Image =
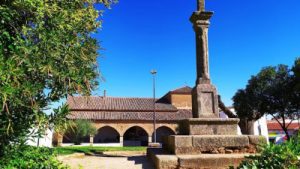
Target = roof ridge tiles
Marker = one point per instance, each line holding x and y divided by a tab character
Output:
117	97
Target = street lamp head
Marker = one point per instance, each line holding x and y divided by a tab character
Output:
153	71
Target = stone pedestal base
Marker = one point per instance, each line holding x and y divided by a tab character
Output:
205	101
205	144
209	126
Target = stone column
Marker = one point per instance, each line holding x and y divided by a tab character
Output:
205	97
91	140
149	139
59	140
121	141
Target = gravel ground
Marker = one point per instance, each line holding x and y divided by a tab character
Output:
99	162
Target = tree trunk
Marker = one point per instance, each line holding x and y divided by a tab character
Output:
227	111
245	125
286	132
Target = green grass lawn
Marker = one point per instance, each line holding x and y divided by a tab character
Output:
91	149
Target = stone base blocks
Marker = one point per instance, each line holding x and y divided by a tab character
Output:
201	161
194	144
214	161
210	143
209	126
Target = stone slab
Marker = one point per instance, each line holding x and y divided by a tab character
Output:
202	161
257	140
154	145
199	144
209	126
207	143
211	161
166	162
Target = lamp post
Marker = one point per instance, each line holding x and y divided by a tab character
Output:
153	72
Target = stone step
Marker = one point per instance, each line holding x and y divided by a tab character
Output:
202	161
213	161
195	144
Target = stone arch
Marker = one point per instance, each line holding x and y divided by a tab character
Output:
145	127
163	131
135	136
107	134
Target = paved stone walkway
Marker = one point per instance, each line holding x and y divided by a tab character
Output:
115	162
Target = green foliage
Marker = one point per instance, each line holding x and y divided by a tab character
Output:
91	149
296	71
282	156
81	129
59	119
46	53
272	91
23	157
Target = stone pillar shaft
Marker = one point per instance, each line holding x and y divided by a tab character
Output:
201	23
202	55
149	139
204	95
91	140
200	5
59	140
121	140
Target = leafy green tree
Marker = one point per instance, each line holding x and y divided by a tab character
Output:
80	130
46	53
59	121
273	92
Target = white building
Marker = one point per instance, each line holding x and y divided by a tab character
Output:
260	126
44	141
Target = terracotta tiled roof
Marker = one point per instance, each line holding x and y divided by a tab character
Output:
276	126
116	104
147	116
182	90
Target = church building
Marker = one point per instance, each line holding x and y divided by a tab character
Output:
129	121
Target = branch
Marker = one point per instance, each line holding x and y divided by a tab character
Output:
289	123
277	121
227	111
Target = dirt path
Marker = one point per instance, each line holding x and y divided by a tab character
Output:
100	162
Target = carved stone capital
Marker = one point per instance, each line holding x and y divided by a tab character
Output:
201	17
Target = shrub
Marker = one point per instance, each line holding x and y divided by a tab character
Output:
80	130
25	157
281	156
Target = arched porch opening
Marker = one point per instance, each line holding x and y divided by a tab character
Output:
135	136
161	132
107	134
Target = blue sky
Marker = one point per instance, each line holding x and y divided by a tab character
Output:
244	36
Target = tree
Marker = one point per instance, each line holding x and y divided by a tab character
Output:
81	129
59	121
245	125
296	71
273	92
46	53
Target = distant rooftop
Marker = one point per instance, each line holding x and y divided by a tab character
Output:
274	125
116	104
126	108
182	90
